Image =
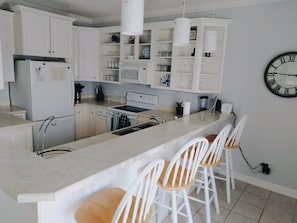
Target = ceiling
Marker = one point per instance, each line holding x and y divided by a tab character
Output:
108	11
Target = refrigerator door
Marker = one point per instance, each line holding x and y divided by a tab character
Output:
51	90
54	132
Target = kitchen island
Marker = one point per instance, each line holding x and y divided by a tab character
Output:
50	190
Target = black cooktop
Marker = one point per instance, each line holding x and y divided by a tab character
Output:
131	108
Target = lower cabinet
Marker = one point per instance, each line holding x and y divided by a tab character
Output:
100	121
19	135
89	120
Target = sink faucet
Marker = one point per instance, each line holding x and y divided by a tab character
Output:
156	119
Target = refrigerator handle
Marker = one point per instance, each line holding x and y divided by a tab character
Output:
71	81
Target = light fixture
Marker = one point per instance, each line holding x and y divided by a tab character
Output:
210	38
1	69
132	17
182	28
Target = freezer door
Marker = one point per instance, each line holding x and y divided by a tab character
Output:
55	131
51	90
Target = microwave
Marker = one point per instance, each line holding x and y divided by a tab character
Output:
136	72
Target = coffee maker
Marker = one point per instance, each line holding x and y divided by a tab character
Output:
77	93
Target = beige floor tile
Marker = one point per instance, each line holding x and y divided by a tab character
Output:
257	191
271	217
198	217
223	201
237	218
235	194
214	216
247	210
253	199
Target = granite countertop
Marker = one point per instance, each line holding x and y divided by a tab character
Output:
30	178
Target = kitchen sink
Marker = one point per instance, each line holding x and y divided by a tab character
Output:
134	128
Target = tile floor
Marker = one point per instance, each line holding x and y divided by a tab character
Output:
249	204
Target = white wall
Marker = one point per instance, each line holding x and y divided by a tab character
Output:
256	35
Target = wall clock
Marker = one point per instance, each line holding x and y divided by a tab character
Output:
281	75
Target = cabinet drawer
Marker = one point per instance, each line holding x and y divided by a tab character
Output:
101	111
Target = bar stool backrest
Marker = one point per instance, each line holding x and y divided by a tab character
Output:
214	153
234	138
180	173
136	204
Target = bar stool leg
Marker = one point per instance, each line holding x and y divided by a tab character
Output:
206	194
231	171
174	207
214	189
228	176
188	208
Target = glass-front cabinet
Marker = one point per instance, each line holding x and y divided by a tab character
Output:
109	54
171	67
187	68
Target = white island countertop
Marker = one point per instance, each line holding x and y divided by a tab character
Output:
30	178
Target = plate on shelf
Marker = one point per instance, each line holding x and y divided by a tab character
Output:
146	52
165	80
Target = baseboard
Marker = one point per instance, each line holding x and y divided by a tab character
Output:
267	185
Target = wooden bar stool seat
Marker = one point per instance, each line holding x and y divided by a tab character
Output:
178	176
115	205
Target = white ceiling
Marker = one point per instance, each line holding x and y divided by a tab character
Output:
108	11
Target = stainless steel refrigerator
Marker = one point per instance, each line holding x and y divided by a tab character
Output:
45	90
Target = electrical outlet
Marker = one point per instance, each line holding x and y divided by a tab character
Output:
265	168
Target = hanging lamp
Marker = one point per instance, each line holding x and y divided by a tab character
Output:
210	38
182	28
132	12
1	69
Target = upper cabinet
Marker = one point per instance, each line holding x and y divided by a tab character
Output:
39	33
86	54
109	54
187	68
7	44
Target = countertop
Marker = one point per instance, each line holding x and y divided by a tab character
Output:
8	120
30	178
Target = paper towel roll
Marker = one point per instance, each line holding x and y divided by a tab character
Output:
187	108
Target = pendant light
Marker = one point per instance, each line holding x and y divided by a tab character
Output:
132	12
182	28
1	69
210	38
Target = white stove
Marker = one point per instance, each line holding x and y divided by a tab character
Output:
126	115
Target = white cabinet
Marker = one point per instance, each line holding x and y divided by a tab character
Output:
109	54
19	135
38	33
90	120
86	54
187	68
7	44
82	122
100	121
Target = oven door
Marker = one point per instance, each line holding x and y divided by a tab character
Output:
117	119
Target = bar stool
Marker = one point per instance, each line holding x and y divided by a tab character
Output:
232	142
113	205
212	158
178	176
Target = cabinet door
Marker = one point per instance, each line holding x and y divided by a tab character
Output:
61	37
91	120
36	35
81	122
87	54
100	124
22	136
7	44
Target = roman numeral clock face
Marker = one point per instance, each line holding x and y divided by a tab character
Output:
281	75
